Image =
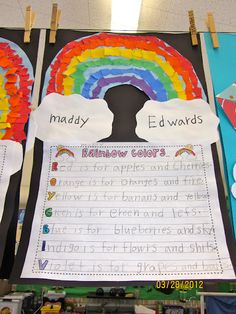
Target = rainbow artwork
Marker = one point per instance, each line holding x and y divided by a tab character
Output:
16	80
91	65
188	149
61	151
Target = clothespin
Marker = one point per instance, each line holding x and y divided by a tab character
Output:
192	28
56	14
212	29
29	21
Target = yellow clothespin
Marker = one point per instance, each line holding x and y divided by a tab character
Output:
29	21
56	14
212	29
192	28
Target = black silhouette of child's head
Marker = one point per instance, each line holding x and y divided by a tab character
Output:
124	101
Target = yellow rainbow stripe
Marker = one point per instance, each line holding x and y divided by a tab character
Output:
137	54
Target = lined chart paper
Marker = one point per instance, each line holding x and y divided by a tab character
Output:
126	211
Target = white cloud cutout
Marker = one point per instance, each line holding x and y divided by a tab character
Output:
177	121
72	118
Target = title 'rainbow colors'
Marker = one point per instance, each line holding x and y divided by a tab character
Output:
91	65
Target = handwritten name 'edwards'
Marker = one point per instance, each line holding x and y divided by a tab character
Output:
154	123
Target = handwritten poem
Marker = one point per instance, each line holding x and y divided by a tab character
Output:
127	211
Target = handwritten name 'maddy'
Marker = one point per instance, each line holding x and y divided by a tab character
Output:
154	123
80	121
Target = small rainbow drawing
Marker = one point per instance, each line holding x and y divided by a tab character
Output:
61	151
187	149
91	65
16	80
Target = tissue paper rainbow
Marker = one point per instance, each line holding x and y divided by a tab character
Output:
91	65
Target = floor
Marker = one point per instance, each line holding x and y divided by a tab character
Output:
158	15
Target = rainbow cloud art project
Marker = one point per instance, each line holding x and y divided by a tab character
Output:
16	80
91	65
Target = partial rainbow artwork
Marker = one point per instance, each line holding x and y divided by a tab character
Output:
91	65
16	80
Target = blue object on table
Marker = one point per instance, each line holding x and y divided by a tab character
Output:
220	305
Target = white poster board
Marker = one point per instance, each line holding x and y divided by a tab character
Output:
125	211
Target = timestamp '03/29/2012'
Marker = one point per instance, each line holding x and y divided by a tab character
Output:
179	284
